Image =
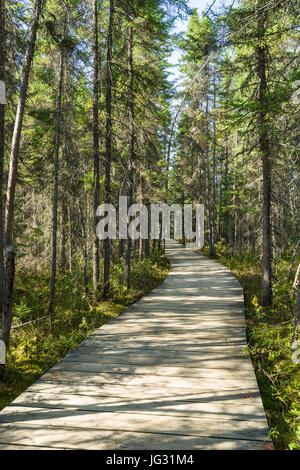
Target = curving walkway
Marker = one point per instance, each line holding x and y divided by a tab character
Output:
168	373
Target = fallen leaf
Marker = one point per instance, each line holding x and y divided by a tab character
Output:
269	446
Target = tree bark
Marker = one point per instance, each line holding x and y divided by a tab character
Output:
147	241
96	273
183	227
55	184
226	216
70	250
2	142
141	240
297	317
265	151
208	199
108	142
63	257
8	299
292	261
214	168
128	246
84	247
12	178
14	159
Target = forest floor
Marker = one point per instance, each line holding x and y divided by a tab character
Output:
269	334
36	347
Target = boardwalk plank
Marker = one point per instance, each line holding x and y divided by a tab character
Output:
24	434
166	424
235	397
174	406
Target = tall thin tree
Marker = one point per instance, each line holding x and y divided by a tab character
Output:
108	141
265	150
131	151
12	179
55	179
96	141
2	138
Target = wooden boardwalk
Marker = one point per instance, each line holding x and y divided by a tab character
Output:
168	373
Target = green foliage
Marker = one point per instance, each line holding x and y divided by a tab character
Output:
269	334
200	38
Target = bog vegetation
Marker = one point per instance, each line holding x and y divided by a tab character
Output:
90	112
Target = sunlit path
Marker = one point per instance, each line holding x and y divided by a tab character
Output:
168	373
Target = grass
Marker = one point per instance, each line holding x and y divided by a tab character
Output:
37	347
269	332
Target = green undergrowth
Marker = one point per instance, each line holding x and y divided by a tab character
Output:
38	346
269	332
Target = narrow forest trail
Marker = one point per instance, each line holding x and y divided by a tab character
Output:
168	373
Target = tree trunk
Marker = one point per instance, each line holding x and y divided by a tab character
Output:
226	216
2	142
293	260
70	251
208	201
63	257
265	151
199	193
141	240
183	227
12	178
128	246
121	248
96	274
55	185
233	222
214	169
108	141
8	298
84	247
297	317
147	241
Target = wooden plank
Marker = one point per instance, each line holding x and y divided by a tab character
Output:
168	406
196	426
176	322
24	434
157	330
170	334
143	364
139	357
235	397
209	334
189	347
199	383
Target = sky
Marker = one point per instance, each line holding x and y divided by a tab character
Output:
181	26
